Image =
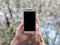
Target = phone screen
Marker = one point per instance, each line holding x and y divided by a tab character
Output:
29	21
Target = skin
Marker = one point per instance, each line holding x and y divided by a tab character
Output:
20	37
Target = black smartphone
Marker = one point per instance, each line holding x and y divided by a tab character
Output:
29	21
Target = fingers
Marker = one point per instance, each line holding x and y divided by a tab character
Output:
21	25
37	28
37	25
37	21
21	28
27	36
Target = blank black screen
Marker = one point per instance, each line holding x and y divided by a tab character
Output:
29	21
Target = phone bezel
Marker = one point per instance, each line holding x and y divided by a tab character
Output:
29	9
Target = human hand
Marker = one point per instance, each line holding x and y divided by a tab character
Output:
21	37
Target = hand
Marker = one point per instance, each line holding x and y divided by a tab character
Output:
20	33
20	37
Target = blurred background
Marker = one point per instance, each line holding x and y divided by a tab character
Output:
48	12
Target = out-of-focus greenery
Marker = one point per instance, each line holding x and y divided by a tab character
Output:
48	12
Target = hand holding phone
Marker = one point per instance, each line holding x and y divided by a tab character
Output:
21	37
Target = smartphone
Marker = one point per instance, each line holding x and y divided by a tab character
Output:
29	21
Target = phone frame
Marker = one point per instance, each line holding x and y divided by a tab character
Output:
30	9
